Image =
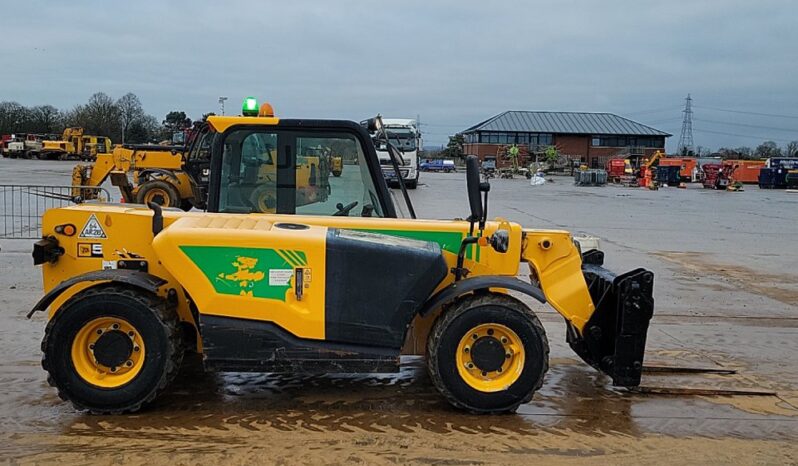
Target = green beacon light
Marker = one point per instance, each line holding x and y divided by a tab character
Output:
250	107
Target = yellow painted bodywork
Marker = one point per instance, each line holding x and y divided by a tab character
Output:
74	142
554	261
220	124
122	161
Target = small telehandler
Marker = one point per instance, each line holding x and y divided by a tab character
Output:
336	285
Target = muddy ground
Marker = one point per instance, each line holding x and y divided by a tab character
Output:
726	297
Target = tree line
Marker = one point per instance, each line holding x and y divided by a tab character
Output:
123	120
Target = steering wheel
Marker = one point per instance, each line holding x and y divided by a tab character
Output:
343	210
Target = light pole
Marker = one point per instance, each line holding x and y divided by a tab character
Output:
221	103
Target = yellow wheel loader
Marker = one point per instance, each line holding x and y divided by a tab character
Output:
75	144
337	285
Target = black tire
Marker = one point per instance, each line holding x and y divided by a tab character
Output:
159	331
186	205
457	321
411	184
161	192
336	173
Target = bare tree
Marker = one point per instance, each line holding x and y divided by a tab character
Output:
44	119
791	150
12	117
101	116
130	111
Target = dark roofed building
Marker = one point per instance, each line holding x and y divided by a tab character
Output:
591	138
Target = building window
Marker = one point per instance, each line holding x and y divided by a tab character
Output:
627	141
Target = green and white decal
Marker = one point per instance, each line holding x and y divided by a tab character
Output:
256	272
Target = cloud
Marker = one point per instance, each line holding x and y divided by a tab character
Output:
454	63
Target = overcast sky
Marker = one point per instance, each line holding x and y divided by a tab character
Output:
454	63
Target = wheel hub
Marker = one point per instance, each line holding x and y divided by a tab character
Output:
488	354
490	357
113	348
108	352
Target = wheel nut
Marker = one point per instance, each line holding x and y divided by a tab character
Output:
115	326
113	369
470	365
467	349
484	374
499	370
99	331
131	334
475	336
135	348
129	363
508	355
504	340
490	331
91	347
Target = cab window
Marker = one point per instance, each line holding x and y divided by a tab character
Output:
313	173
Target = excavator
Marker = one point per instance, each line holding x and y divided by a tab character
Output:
75	144
343	285
173	176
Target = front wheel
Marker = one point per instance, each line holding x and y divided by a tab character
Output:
487	354
111	350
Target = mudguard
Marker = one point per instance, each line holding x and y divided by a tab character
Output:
485	282
134	278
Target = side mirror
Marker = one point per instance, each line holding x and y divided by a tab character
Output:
472	184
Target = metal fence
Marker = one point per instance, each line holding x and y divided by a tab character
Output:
22	206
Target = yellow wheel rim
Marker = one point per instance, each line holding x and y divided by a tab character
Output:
99	333
477	356
159	196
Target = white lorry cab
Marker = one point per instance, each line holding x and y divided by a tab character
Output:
406	137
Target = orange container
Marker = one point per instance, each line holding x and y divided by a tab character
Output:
747	171
687	164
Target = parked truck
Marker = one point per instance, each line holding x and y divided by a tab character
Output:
406	137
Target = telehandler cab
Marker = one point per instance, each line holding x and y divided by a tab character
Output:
339	285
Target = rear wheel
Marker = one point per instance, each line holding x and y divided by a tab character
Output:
112	349
487	354
160	192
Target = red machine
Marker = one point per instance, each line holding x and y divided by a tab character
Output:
716	175
616	168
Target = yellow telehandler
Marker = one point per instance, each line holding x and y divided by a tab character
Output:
336	285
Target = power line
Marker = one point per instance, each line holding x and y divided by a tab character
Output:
658	110
749	126
761	138
776	115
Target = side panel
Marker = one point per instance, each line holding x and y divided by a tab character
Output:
243	267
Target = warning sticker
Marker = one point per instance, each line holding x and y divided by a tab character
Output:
280	277
93	229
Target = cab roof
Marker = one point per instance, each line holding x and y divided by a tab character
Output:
221	123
